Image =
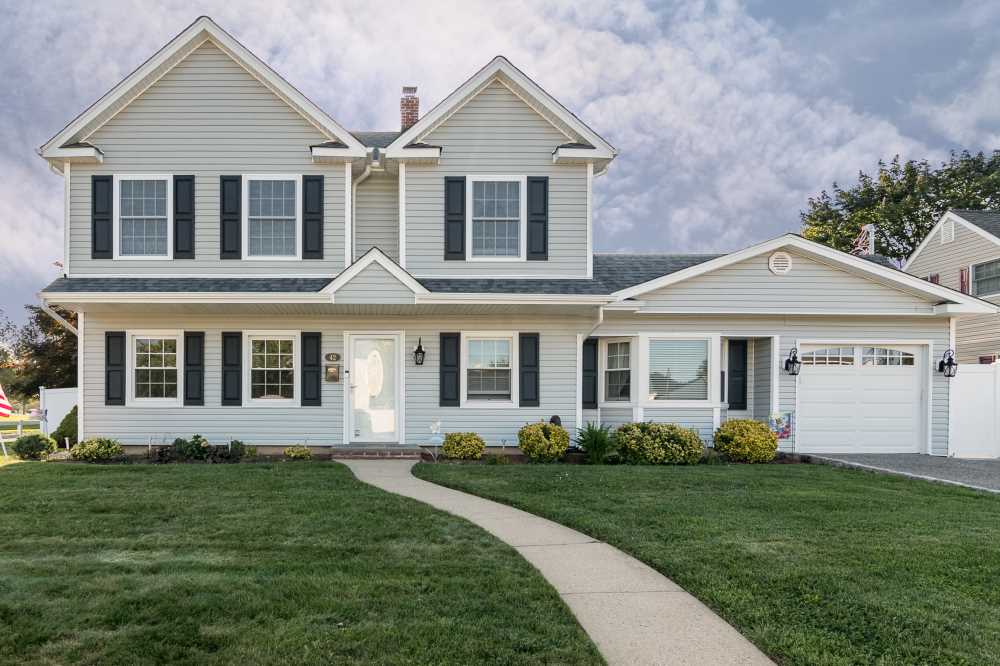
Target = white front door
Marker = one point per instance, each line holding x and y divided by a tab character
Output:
861	399
374	382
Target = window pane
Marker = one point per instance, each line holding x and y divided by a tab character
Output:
272	375
489	372
142	218
496	219
678	370
155	366
271	218
617	385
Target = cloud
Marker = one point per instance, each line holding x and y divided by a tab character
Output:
970	117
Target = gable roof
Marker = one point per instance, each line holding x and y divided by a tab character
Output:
982	222
203	29
374	256
502	69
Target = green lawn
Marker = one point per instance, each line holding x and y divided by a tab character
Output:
290	563
816	565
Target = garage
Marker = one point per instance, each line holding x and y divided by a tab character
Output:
861	399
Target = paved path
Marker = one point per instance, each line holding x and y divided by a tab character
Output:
634	614
978	474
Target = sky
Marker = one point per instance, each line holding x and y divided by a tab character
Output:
727	116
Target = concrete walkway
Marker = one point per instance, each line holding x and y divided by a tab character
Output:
976	474
634	614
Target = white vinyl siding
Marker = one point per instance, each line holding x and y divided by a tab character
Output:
374	285
207	117
376	222
496	133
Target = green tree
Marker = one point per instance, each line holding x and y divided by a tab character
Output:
40	353
903	200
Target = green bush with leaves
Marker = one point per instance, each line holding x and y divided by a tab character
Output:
658	443
34	447
463	446
596	441
747	441
196	448
543	442
67	428
97	449
298	452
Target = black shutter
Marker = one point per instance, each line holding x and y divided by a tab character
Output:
114	368
183	217
529	369
312	217
101	211
232	369
588	391
194	369
538	218
737	374
451	370
230	217
454	218
312	359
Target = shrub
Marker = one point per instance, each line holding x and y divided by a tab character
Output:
658	443
463	446
34	447
67	428
543	442
97	449
196	448
596	442
746	440
163	454
298	452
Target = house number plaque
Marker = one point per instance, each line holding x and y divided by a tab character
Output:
332	357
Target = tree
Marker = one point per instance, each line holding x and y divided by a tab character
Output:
40	353
903	200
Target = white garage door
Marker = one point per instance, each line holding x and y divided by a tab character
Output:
860	399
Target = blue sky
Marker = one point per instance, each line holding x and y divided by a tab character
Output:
728	115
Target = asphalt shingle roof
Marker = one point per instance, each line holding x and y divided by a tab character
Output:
376	139
988	221
193	285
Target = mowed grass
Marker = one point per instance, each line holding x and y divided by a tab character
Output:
286	563
815	565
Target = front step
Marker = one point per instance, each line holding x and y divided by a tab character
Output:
396	453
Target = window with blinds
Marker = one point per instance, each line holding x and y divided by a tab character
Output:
986	278
678	369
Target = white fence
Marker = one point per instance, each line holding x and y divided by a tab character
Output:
53	405
975	412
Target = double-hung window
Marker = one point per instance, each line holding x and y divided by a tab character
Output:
155	375
143	216
986	278
273	218
618	371
489	363
498	211
272	367
678	369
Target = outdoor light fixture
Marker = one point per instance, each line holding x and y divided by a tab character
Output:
792	363
419	353
948	365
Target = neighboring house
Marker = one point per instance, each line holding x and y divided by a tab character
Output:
962	252
245	267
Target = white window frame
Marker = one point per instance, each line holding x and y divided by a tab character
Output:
714	341
972	279
248	338
514	370
116	217
245	215
470	182
602	366
130	367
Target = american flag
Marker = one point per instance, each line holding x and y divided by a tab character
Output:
5	407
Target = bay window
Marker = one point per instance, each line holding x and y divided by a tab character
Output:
678	369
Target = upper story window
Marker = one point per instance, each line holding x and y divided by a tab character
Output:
986	278
498	215
143	217
678	369
273	217
618	373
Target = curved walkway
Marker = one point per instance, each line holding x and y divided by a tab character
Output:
634	614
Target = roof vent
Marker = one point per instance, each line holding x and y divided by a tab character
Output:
947	231
779	263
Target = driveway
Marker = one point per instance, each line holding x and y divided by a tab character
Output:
979	474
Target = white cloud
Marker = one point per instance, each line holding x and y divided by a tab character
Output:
971	117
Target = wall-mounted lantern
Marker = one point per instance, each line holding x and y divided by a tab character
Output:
948	365
792	363
419	354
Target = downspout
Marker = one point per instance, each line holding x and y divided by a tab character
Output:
354	205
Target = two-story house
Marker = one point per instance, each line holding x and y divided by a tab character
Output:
962	251
245	267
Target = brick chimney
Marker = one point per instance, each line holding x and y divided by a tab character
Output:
409	108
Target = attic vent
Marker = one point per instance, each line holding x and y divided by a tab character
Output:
779	263
947	231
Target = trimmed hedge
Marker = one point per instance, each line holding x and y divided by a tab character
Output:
97	449
658	443
67	428
543	442
746	440
463	446
298	452
34	447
